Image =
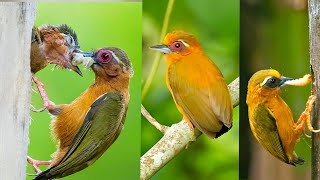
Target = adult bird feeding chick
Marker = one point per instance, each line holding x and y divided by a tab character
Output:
90	124
271	119
52	45
196	84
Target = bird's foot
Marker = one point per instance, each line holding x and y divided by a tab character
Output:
305	116
47	104
35	165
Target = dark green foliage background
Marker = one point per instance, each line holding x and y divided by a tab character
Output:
97	25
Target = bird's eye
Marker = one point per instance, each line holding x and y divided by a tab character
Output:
177	46
105	56
272	82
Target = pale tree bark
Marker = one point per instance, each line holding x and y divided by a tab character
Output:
314	39
176	138
16	21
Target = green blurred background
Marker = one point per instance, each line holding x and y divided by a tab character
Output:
97	25
274	34
216	26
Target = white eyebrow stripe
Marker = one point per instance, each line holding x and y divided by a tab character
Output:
265	80
116	57
184	43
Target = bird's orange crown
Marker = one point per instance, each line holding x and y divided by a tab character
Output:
183	36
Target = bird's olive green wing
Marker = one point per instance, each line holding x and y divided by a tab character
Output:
206	101
101	127
266	132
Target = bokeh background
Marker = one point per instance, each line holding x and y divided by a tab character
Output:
216	26
97	25
274	34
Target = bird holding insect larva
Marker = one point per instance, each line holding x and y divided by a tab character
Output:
271	119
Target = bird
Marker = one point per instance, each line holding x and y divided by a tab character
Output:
89	125
52	45
196	84
271	119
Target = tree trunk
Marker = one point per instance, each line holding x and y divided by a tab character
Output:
314	38
16	21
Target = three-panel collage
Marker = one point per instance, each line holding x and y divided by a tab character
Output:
160	90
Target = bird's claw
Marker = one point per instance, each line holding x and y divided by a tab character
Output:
28	174
35	165
316	131
39	110
306	135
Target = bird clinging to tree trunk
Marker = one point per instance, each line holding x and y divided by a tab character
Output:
271	119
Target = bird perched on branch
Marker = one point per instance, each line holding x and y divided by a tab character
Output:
271	119
52	45
196	84
90	124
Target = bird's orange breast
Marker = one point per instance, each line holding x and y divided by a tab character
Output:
69	120
282	115
199	91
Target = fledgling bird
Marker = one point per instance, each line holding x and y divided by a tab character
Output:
196	84
271	119
90	124
52	45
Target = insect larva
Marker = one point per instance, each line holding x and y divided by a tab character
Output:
306	79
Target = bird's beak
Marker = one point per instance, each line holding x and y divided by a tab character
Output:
283	80
74	68
77	70
162	48
85	54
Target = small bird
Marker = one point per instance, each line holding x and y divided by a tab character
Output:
196	84
271	119
90	124
52	45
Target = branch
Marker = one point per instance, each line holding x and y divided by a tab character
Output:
154	122
176	139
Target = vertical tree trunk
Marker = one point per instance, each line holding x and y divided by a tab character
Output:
16	21
314	37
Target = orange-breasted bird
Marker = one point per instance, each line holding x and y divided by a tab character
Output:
90	124
196	84
271	119
52	45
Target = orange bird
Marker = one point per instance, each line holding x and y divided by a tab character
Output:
52	45
90	124
196	84
271	119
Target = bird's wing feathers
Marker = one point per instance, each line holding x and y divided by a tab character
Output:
206	104
102	125
266	132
